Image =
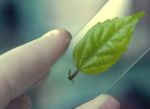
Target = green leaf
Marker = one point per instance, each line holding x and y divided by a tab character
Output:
103	45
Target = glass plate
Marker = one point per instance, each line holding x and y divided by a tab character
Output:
58	92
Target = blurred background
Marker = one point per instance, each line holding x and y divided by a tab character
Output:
22	21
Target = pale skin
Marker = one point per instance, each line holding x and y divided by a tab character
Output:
25	66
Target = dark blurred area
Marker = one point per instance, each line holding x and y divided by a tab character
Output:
138	94
19	23
135	87
10	16
135	99
10	23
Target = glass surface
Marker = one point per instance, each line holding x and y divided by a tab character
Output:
58	92
29	19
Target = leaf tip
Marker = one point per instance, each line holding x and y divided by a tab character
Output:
140	14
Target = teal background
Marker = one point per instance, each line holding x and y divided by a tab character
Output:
23	21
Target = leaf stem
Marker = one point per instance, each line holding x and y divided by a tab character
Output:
71	76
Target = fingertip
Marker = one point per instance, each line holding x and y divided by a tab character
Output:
57	41
64	32
59	33
108	102
103	101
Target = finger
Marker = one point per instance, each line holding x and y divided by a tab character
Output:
22	102
101	102
24	65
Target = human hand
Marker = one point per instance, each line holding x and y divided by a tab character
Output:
25	66
103	101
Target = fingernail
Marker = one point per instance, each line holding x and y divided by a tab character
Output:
108	102
65	33
59	32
